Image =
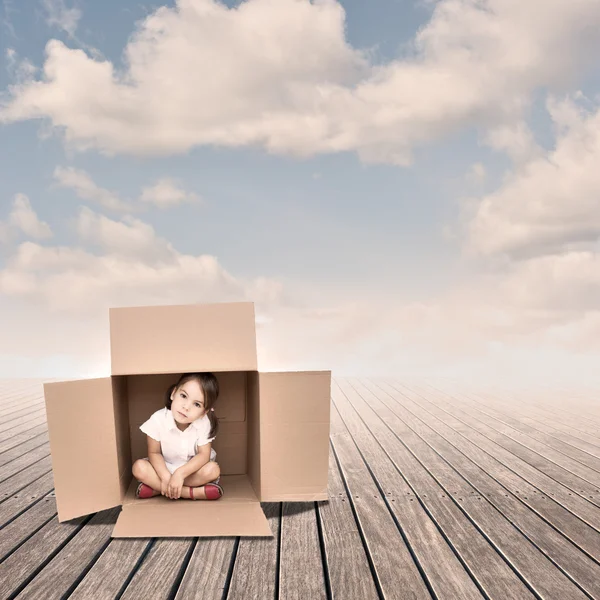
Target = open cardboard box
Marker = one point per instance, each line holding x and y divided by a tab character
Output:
273	439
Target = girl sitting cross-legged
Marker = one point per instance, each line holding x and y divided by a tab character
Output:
180	461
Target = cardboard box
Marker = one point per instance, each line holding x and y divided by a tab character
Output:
273	440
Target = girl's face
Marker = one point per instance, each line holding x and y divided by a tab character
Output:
187	403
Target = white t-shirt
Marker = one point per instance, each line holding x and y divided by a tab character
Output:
177	446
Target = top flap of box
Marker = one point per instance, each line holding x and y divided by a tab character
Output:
237	513
178	339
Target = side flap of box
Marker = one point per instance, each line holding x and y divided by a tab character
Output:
294	435
83	446
175	339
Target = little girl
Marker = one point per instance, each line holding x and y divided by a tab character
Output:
180	461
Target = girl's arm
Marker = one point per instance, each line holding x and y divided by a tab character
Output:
197	462
157	460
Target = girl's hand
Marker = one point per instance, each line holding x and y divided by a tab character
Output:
175	485
164	484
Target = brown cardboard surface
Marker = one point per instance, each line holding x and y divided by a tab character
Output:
176	339
83	446
253	416
120	408
294	435
237	512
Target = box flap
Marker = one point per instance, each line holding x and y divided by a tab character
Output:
176	339
294	435
83	446
237	513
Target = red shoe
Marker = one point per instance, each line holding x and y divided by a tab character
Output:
144	491
213	491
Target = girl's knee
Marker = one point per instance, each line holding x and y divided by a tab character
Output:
215	470
140	467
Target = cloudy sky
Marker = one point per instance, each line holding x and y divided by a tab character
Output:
401	187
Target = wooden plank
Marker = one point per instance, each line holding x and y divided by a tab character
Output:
23	448
561	453
18	423
26	525
301	568
22	499
584	448
62	573
160	572
26	561
21	412
8	444
9	412
206	574
584	410
570	422
395	572
347	562
482	560
254	573
470	429
533	566
539	460
112	570
22	427
24	478
64	570
18	464
12	394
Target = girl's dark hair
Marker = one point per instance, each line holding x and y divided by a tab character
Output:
210	388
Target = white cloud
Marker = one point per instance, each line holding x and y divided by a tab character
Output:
516	139
476	174
134	267
130	238
295	86
83	185
551	204
59	15
166	193
23	219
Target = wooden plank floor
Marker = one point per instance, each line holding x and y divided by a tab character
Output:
437	489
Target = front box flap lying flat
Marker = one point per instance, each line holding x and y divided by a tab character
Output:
237	513
294	435
81	428
178	339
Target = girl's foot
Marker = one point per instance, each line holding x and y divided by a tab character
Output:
212	491
145	491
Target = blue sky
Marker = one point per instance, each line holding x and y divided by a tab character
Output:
414	220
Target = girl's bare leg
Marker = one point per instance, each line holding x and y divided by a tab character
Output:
143	471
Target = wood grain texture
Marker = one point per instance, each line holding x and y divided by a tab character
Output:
160	570
255	570
347	560
396	573
301	568
206	573
21	500
432	449
26	524
57	578
111	571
